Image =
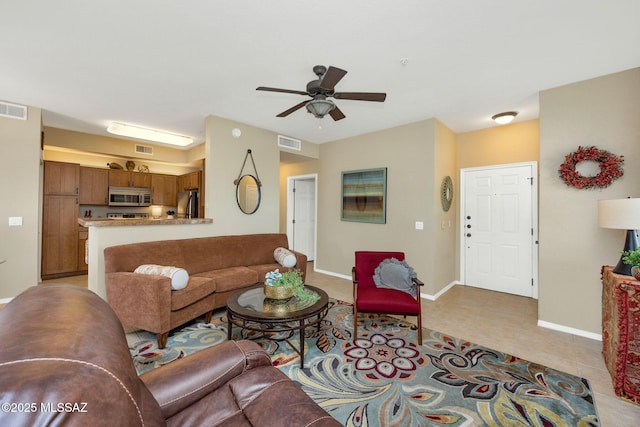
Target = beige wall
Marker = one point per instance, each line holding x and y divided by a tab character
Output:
20	187
417	156
512	143
96	151
604	112
225	156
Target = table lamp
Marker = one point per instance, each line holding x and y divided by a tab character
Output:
621	214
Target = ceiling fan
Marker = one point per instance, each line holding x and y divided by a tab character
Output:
321	89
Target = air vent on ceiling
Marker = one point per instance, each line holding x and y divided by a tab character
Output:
144	149
286	142
13	111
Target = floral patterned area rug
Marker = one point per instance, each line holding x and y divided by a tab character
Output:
386	379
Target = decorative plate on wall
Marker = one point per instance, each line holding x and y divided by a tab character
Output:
446	193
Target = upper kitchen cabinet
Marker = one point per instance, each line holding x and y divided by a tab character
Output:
94	186
189	181
61	178
124	178
163	190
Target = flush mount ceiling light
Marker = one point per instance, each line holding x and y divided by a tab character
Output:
148	134
320	107
504	118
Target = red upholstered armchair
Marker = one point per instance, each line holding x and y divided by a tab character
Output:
368	298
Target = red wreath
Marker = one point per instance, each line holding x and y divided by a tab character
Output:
610	168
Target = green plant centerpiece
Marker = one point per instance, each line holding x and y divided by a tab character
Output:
632	258
286	285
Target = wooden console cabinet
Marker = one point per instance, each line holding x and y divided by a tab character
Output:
621	332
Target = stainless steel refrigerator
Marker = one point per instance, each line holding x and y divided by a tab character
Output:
188	204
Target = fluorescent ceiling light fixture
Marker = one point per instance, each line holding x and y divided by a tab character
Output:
148	134
504	118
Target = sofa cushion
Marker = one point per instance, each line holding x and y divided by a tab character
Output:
197	288
232	278
285	257
179	276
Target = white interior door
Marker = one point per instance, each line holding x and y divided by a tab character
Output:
499	228
302	215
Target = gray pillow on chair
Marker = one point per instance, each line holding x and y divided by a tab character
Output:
394	274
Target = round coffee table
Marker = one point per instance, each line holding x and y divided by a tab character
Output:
250	310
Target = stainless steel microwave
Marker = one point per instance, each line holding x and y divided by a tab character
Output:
129	196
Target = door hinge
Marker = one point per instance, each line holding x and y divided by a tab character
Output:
532	281
530	180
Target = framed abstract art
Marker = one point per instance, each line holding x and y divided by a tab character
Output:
364	196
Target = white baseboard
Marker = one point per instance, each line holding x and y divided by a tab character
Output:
440	293
572	331
422	295
5	300
331	273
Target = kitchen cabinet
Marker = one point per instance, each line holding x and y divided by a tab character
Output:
59	235
61	178
94	186
83	234
189	181
164	190
123	178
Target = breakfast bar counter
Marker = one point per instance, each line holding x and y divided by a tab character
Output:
120	222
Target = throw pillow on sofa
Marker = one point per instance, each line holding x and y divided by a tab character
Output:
179	276
395	274
285	257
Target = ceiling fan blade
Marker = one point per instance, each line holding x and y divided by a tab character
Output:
331	78
361	96
292	109
336	114
273	89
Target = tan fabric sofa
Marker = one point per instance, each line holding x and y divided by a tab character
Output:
65	362
217	267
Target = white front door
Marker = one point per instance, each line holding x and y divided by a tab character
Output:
499	228
302	215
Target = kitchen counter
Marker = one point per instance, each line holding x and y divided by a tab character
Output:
109	222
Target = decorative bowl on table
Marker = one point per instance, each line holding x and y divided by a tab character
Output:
278	292
282	285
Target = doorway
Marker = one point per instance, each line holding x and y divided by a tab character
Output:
499	236
301	213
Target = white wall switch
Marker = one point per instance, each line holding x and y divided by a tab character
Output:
419	225
15	221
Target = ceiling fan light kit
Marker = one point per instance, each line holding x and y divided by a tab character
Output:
147	134
504	118
321	89
320	107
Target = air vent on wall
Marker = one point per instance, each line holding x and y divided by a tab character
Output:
286	142
144	149
13	111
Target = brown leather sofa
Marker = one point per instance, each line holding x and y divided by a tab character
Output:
65	362
217	267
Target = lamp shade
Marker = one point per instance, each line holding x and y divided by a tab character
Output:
621	214
320	107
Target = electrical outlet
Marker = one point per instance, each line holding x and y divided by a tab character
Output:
419	225
15	221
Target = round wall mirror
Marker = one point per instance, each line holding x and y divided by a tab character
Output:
248	194
446	193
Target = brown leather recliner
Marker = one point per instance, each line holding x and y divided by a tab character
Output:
66	362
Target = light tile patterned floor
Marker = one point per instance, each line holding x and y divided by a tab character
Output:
503	322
